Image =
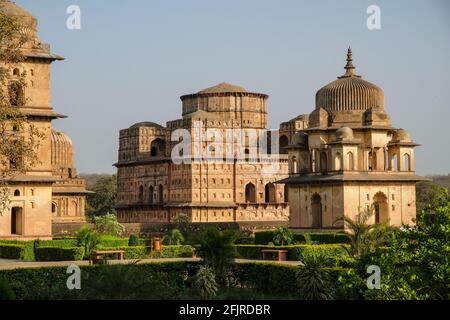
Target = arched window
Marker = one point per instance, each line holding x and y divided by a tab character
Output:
350	161
283	142
16	96
323	162
250	193
270	196
161	194
53	207
150	194
16	72
370	160
338	161
17	193
157	148
294	165
407	162
141	194
394	163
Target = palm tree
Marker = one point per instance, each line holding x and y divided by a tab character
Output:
365	237
217	250
313	279
89	239
175	237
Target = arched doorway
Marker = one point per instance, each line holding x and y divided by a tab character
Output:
16	221
338	161
270	196
381	207
316	210
250	193
350	161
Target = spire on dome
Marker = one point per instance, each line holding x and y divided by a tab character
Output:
349	67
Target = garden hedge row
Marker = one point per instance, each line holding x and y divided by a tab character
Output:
294	251
169	280
264	237
184	251
59	254
23	250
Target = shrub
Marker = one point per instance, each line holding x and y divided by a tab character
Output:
60	243
205	282
174	252
136	252
294	251
6	293
174	238
264	237
282	236
133	241
59	254
19	250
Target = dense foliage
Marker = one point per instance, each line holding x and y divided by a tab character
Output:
103	200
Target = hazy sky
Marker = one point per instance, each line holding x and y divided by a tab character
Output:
132	60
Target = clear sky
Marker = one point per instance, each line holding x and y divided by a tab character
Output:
132	60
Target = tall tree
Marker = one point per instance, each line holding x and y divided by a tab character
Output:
103	200
19	138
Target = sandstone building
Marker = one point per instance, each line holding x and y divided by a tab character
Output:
153	189
346	156
50	190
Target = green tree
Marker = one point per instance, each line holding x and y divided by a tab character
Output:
183	224
365	237
103	200
416	265
175	237
217	250
108	225
283	236
19	138
313	279
429	195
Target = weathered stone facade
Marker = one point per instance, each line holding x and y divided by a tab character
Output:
151	188
33	193
349	157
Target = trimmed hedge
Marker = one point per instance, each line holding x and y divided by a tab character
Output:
59	254
184	251
60	243
169	280
19	250
136	252
264	237
294	251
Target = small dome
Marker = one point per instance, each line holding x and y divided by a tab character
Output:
350	92
223	88
148	124
62	150
402	135
300	138
344	133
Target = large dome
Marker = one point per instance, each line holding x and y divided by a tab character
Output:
25	18
350	92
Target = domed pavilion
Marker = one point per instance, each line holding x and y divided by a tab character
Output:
350	158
